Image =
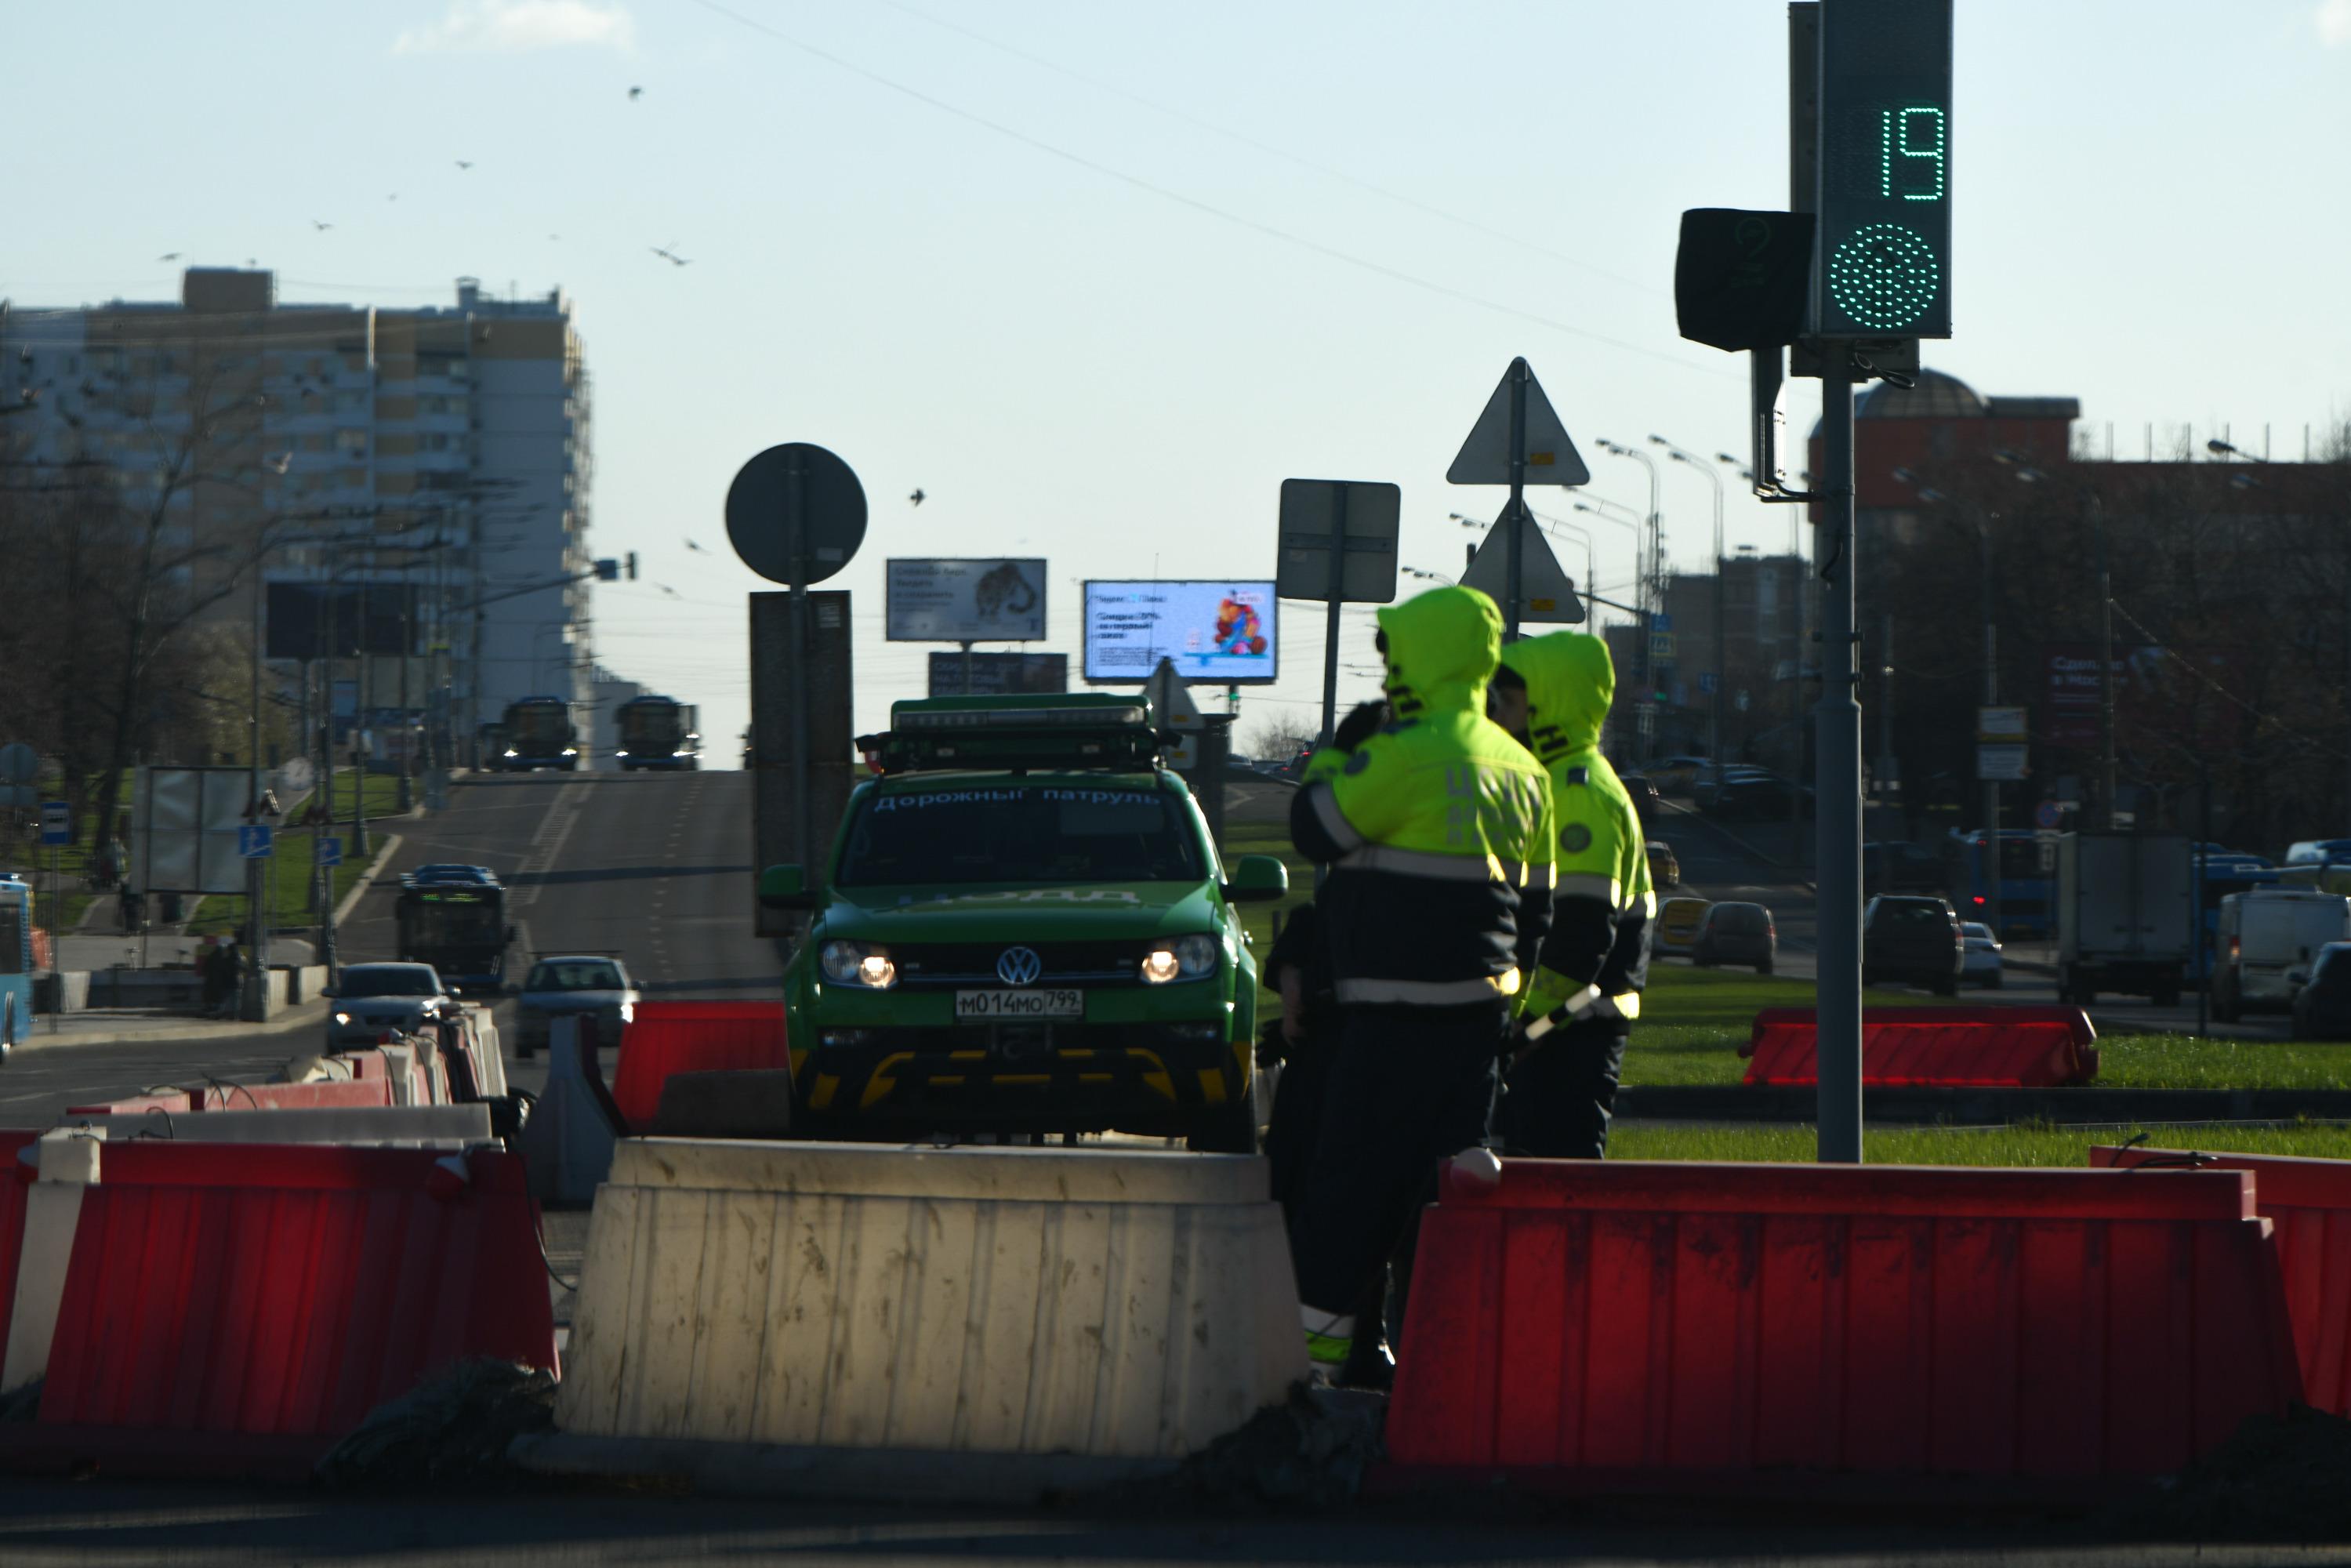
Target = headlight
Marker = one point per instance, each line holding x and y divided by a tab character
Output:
627	1012
570	751
621	751
342	1018
512	752
856	964
1183	958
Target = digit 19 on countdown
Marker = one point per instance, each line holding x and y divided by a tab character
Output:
1885	195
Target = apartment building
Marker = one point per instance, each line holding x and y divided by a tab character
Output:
411	484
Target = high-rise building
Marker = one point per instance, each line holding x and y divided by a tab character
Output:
409	485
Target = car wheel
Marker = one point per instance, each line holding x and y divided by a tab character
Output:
1764	967
2168	997
1946	986
1993	981
2224	1004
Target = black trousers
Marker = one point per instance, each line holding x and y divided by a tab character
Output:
1407	1088
1561	1098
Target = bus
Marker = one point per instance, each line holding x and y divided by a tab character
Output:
454	918
2027	894
539	735
657	732
15	961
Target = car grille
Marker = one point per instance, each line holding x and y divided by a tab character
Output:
941	966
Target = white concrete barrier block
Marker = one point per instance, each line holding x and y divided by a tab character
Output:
359	1126
984	1300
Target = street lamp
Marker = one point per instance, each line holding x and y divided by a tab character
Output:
1721	649
1648	592
1423	575
1982	522
1796	646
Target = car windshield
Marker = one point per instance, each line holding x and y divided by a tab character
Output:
446	919
388	981
1905	914
1975	930
1033	833
574	974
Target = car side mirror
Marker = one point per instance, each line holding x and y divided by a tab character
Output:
330	992
785	887
1257	879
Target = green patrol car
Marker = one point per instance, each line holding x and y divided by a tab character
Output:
1025	928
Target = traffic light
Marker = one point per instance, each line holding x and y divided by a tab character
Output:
1885	170
1739	277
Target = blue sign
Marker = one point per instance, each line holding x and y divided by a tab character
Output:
1661	621
56	822
2046	815
253	841
330	852
1706	681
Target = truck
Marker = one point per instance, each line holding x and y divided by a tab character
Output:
454	918
539	735
2127	915
658	732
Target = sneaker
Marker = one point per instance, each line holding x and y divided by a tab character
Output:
1327	1355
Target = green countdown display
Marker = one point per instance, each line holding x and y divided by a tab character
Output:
1884	178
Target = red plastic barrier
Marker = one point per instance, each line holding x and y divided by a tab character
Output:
174	1102
1986	1047
2309	1203
1584	1320
12	1183
693	1037
249	1292
320	1096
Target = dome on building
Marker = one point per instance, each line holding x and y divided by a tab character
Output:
1936	396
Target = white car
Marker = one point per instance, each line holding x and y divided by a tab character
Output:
371	999
1980	955
580	985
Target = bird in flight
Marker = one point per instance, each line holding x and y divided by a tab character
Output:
668	252
282	462
463	163
321	227
635	93
394	197
916	498
695	547
169	256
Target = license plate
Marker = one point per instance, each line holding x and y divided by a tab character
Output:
988	1007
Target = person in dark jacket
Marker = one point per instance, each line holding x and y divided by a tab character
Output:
1437	828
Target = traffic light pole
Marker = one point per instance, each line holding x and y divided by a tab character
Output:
1838	988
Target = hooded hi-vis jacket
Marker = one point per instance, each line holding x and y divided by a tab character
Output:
1437	828
1602	906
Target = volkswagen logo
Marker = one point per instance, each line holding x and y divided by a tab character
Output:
1018	966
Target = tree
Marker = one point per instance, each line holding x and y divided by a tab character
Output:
1283	733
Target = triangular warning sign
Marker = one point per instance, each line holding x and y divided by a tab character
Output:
1551	457
1545	590
1172	708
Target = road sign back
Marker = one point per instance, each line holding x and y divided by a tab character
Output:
1312	515
1551	457
1545	590
796	509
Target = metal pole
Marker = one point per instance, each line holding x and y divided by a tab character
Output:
254	1000
2105	674
1721	643
966	669
1992	913
1513	547
2196	865
1796	645
407	646
796	538
1837	988
1336	582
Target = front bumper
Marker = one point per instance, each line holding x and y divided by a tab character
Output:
1151	1079
360	1034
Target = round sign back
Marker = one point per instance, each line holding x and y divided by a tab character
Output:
796	501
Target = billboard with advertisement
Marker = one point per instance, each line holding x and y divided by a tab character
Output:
337	621
932	600
999	674
2160	697
1216	631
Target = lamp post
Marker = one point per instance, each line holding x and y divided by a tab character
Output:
1649	590
2246	481
1721	648
1794	640
1982	522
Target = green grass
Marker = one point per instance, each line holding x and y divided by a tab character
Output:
2024	1144
2183	1062
288	870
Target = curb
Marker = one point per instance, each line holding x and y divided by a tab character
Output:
1983	1107
384	854
302	1015
898	1476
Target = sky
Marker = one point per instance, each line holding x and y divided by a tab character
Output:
1097	278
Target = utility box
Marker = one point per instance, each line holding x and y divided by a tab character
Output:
2125	916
